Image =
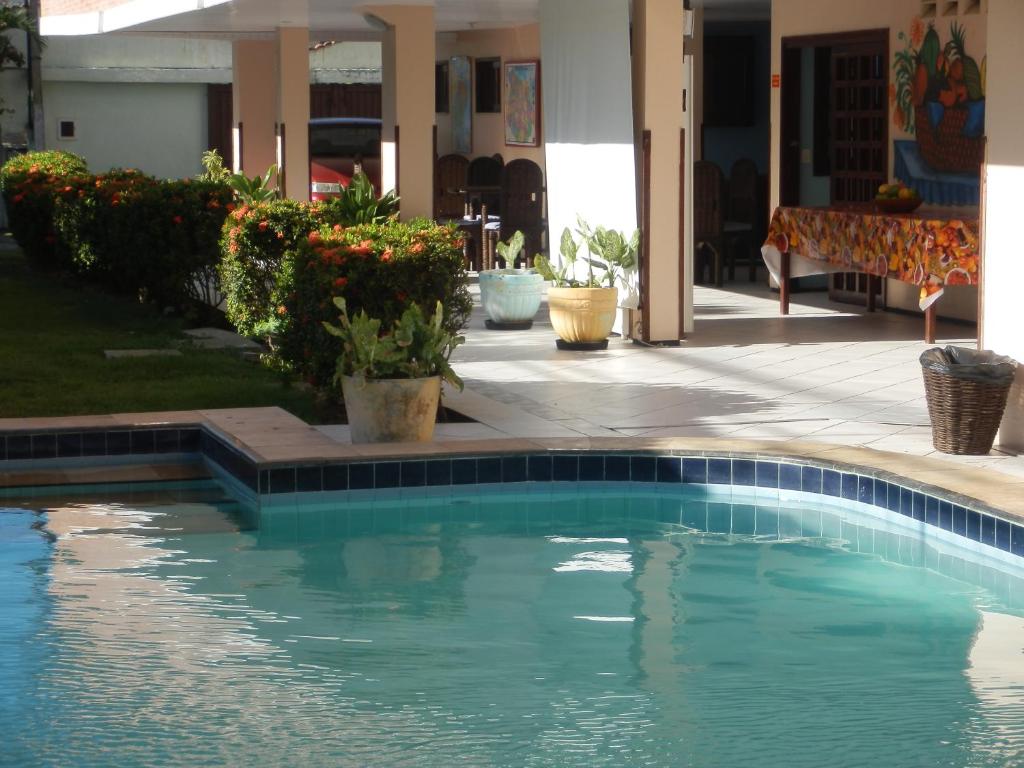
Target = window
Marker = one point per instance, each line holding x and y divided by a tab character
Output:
66	130
488	85
441	87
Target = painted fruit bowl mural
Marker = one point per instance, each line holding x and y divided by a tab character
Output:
939	96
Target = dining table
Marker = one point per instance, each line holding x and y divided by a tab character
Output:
933	247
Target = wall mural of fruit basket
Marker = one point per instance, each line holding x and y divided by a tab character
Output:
938	97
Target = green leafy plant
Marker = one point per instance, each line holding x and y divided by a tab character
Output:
510	251
610	256
358	203
258	189
213	168
415	347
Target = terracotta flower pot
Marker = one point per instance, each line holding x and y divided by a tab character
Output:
582	315
391	410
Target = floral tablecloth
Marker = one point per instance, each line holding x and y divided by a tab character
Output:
930	248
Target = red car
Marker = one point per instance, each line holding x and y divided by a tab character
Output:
338	148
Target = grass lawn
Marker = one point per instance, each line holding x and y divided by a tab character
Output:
52	337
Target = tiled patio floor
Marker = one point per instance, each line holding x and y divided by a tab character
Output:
829	373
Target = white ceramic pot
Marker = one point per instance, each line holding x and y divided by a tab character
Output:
511	296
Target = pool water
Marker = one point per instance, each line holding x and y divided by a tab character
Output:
530	630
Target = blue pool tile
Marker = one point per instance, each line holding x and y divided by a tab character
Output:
387	474
642	469
720	471
69	444
165	441
811	479
565	468
744	520
906	502
695	515
670	469
945	516
931	510
719	518
118	443
849	488
44	446
1017	540
464	471
766	474
1003	528
143	441
94	443
264	481
336	477
766	522
360	477
414	474
790	477
866	490
988	530
695	471
188	440
616	468
831	483
513	469
538	469
309	479
743	472
488	470
3	447
920	510
591	468
282	480
959	515
439	472
973	525
892	493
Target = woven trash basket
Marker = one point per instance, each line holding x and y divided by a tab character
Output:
966	391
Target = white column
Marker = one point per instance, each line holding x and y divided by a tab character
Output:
1003	267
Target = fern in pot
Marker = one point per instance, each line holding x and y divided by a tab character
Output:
583	307
391	380
510	296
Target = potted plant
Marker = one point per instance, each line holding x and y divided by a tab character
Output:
583	309
510	296
391	381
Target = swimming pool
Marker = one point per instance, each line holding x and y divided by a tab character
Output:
540	624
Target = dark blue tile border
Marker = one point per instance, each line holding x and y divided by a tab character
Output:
646	467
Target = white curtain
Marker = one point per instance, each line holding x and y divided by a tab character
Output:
588	119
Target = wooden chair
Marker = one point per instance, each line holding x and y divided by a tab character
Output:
450	187
708	218
741	214
522	204
483	185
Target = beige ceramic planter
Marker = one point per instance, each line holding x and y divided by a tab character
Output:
583	315
391	410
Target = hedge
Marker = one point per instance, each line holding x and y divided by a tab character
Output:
124	230
377	267
30	185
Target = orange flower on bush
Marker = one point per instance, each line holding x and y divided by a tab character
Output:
386	256
363	249
263	225
314	238
417	248
282	310
177	220
340	282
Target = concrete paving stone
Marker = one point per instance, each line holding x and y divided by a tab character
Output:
118	354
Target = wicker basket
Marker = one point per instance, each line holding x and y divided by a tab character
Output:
944	147
965	414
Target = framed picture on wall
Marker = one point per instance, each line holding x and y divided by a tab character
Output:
460	104
522	103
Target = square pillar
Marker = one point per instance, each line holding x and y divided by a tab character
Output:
1002	271
407	57
659	120
293	111
254	106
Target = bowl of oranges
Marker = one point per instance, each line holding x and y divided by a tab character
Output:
897	198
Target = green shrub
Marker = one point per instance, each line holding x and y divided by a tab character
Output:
380	268
31	183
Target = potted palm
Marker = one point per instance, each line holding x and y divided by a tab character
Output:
391	381
583	309
510	296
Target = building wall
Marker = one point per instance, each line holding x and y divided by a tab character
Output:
792	18
1003	266
489	129
157	128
